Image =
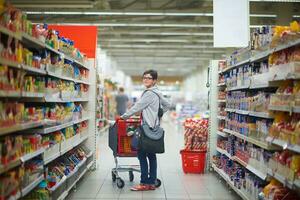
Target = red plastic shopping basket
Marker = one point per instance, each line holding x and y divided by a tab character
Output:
193	161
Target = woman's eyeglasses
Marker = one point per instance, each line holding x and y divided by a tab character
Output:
147	78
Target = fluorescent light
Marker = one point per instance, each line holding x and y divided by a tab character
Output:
140	25
263	15
154	33
155	40
133	13
156	46
296	16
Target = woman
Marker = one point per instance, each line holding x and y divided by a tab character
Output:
149	106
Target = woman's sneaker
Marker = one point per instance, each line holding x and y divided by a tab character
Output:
140	187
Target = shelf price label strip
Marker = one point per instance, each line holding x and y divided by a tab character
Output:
252	169
263	145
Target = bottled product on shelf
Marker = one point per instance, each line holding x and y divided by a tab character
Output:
262	120
49	117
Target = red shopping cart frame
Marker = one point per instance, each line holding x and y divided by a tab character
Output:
124	141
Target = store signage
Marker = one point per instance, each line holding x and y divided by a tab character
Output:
231	23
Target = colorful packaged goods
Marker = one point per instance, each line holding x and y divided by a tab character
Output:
196	133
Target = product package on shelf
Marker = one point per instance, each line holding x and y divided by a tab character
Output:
44	86
196	133
276	190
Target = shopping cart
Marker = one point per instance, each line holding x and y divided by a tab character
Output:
120	136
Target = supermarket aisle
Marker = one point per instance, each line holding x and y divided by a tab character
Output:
176	184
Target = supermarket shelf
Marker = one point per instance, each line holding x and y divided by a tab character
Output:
297	183
260	114
242	112
264	54
296	109
235	158
53	50
8	32
32	185
280	108
222	134
64	178
229	110
60	76
222	151
62	152
238	88
32	42
53	128
32	95
76	143
281	179
252	169
53	157
15	197
261	144
90	165
67	57
227	179
65	193
20	127
32	155
12	94
285	46
221	117
236	65
81	120
9	63
83	82
284	144
33	69
260	174
250	113
9	166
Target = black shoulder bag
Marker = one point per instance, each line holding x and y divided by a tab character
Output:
151	140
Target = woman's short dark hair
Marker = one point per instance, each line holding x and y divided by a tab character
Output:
152	72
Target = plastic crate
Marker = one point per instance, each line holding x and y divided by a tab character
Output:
193	161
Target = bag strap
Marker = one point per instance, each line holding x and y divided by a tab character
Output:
158	106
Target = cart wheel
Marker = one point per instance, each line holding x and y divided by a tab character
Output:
131	176
113	176
157	183
120	183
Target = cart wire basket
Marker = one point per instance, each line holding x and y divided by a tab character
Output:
119	141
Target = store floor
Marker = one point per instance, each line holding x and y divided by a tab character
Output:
175	184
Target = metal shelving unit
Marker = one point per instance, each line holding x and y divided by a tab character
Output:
47	127
270	143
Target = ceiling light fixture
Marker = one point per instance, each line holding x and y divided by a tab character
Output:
155	40
133	13
140	25
153	33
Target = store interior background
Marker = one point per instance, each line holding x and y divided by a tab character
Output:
123	38
166	35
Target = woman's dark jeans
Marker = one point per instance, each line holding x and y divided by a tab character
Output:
148	176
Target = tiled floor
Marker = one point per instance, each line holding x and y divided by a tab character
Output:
175	184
